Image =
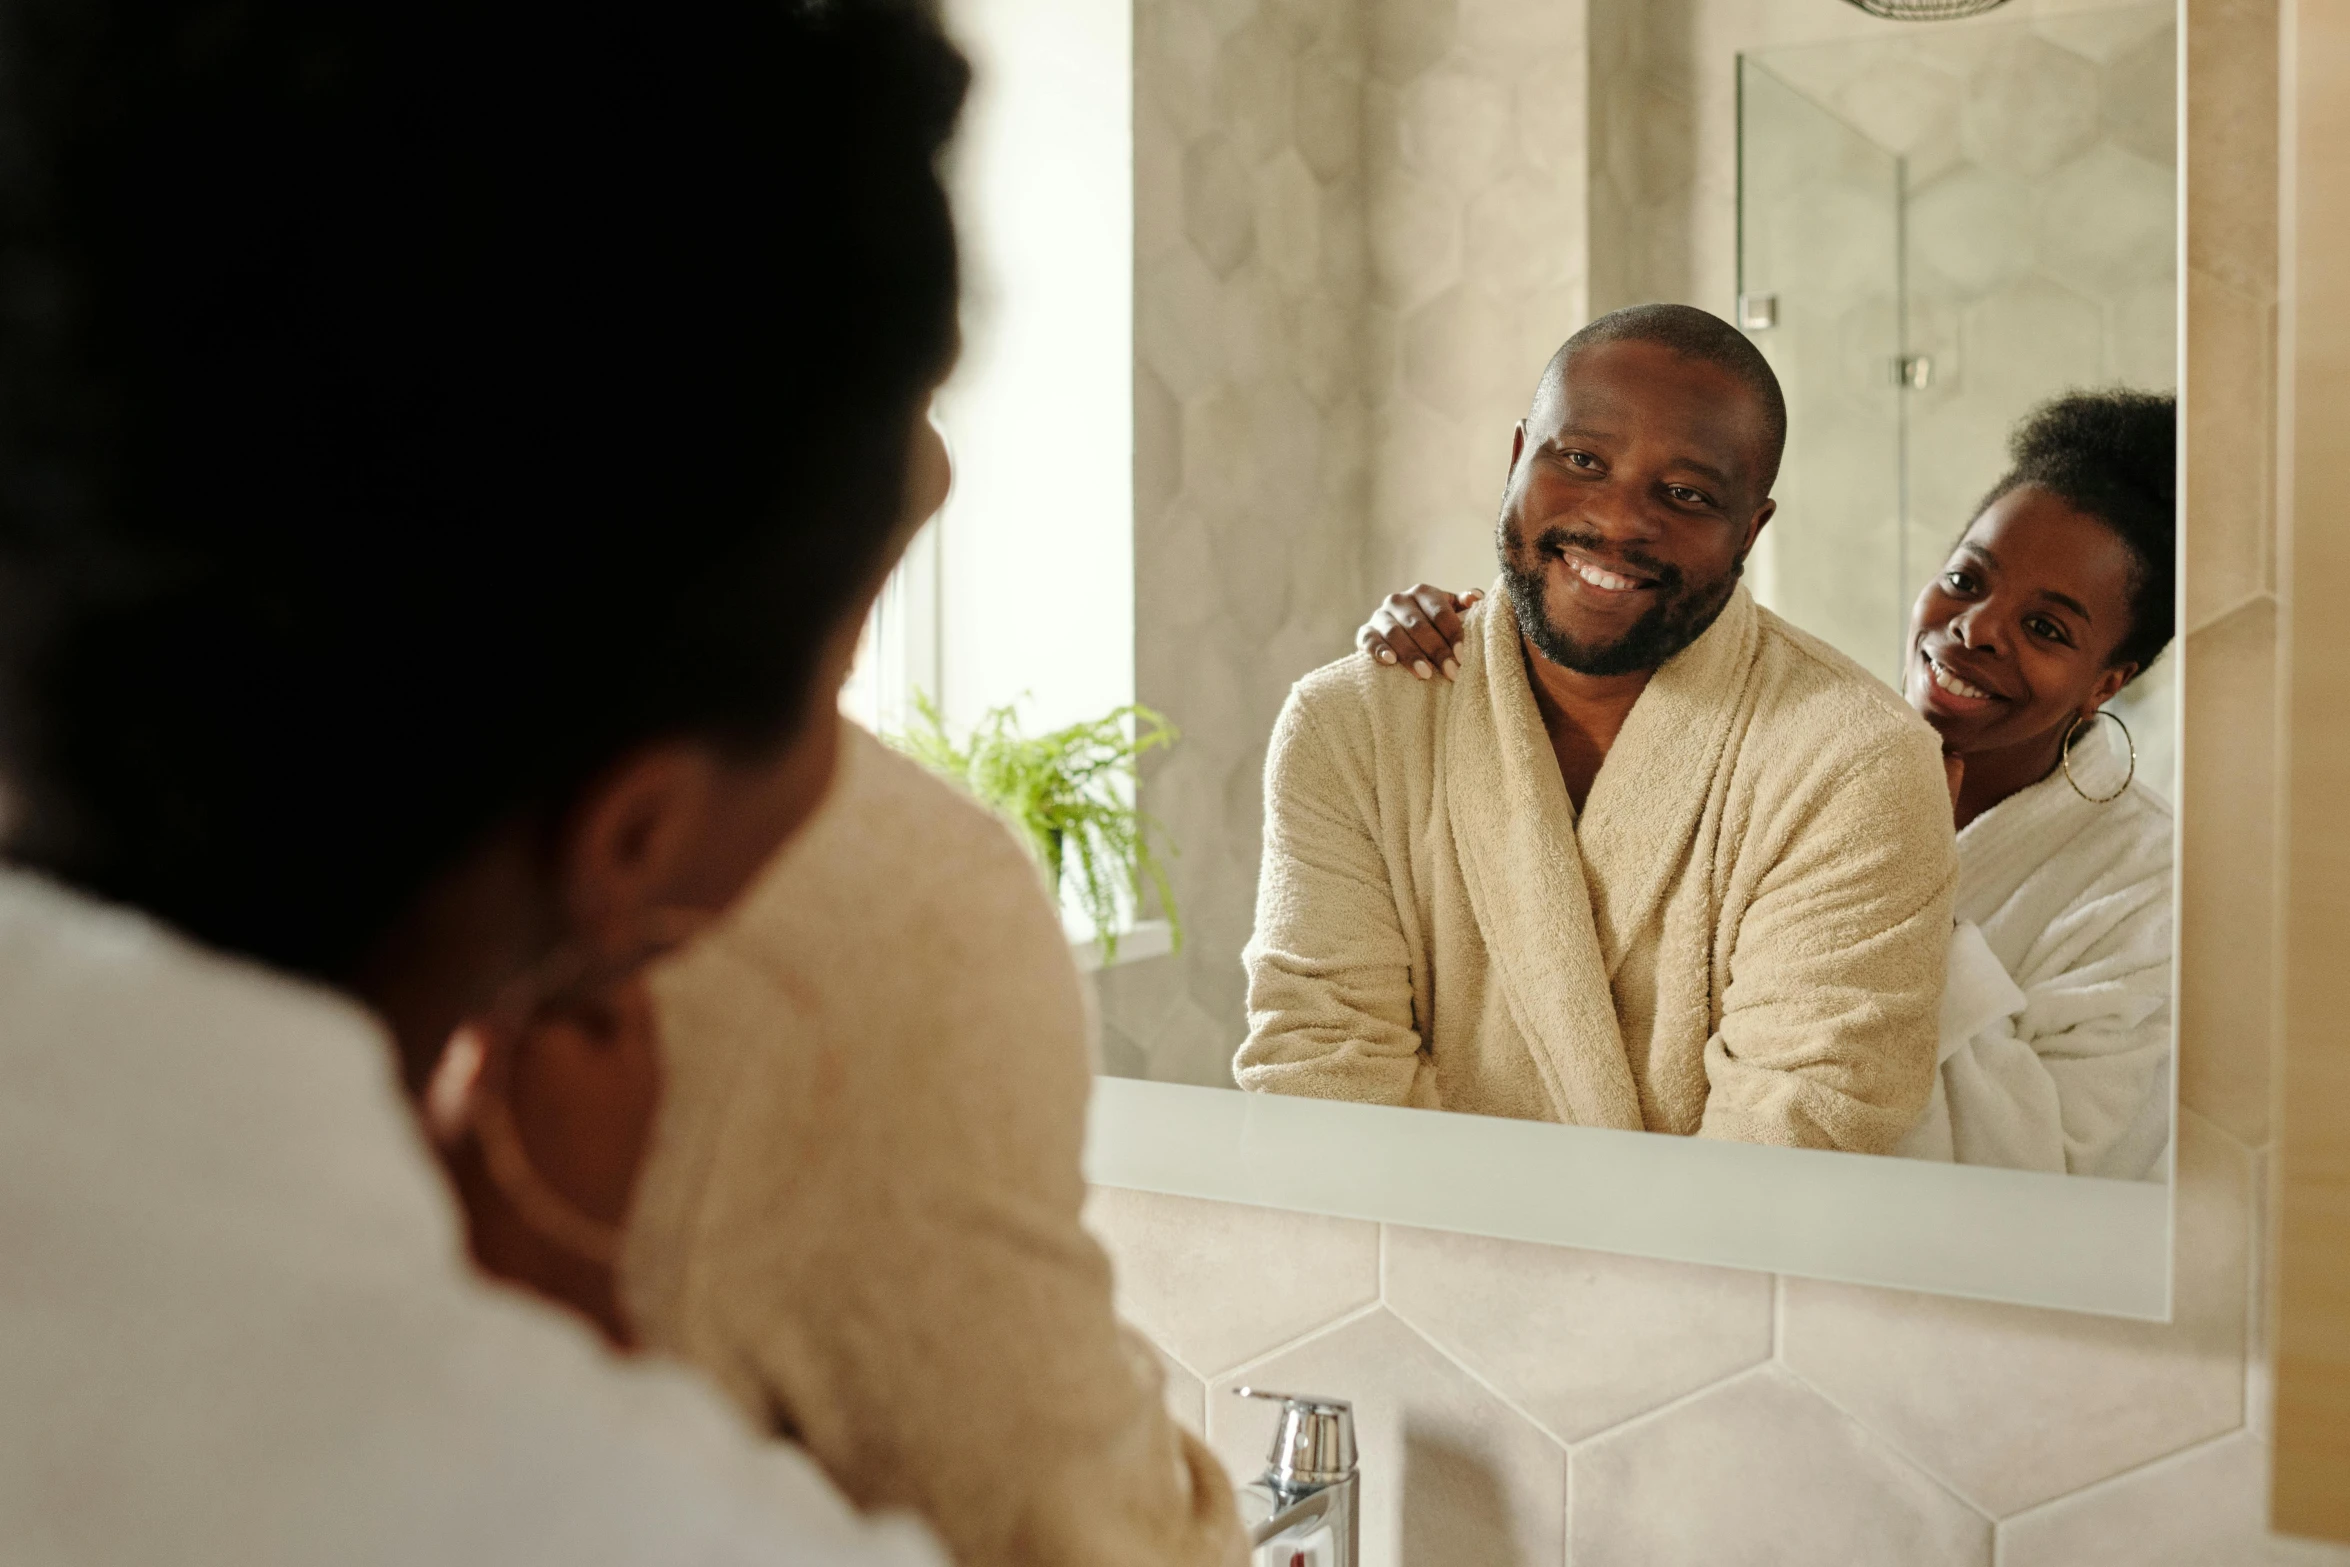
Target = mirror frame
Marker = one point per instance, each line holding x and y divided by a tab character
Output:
2073	1243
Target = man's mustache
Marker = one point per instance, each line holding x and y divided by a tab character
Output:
1667	577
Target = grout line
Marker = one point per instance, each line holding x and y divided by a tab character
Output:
1352	1315
1471	1372
2230	611
1760	1367
1892	1445
2177	1456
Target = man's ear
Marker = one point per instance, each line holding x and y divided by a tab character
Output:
1763	514
1517	446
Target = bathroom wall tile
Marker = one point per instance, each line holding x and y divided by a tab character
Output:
2142	336
1186	1396
1761	1471
1329	113
2141	107
2227	842
1453	347
2230	427
1255	104
2108	221
1219	210
2103	36
1415	238
1976	228
1580	1340
1512	234
1289	222
2232	143
1455	126
1175	45
1450	1473
2031	340
1408	36
2205	1508
2012	1407
2029	108
1216	1285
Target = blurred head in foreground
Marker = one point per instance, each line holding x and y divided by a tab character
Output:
421	428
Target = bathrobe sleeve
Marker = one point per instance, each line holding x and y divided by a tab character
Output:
1330	1011
1828	1027
2088	1045
864	1209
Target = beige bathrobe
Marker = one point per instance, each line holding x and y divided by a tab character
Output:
1742	937
861	1210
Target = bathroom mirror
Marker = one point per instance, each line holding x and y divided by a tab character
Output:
1359	230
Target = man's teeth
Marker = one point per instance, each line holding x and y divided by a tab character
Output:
1952	684
1598	577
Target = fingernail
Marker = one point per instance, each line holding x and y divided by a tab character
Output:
1452	669
1420	668
1385	657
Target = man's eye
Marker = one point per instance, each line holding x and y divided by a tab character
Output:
1582	459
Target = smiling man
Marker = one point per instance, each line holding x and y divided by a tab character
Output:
1654	859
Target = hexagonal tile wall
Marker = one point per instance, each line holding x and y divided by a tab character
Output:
2199	1509
1583	1340
1251	452
2013	1408
1175	1258
1784	1477
1450	1472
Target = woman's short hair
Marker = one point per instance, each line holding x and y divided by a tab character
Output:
2114	455
407	407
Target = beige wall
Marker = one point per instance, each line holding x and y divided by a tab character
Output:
1521	1401
2312	1482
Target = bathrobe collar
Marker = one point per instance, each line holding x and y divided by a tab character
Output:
1558	905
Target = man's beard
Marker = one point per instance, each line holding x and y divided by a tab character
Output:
1679	616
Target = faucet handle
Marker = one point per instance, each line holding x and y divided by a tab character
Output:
1315	1443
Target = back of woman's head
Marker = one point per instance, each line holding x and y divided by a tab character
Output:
2114	455
407	407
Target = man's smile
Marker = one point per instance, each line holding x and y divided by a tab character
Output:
1601	579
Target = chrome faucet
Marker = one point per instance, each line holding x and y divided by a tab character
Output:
1310	1495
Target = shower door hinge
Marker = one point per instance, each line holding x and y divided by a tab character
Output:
1915	371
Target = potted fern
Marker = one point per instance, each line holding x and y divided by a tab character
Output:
1070	795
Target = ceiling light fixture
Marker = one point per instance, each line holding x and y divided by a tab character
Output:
1926	10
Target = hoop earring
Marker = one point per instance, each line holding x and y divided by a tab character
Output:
543	1210
2070	735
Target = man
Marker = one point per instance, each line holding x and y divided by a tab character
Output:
1656	859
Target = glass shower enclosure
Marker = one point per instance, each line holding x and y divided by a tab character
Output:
1937	231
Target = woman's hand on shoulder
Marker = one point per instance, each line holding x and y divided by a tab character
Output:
1419	630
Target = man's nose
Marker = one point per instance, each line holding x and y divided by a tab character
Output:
1615	513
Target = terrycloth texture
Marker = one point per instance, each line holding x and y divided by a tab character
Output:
1742	938
861	1212
237	1327
2056	1026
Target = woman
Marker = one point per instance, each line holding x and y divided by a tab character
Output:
420	430
2056	1018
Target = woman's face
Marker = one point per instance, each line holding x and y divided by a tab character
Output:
2015	638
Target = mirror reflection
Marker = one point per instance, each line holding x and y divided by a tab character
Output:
1758	722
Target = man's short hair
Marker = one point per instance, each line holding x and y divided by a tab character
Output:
408	407
1693	334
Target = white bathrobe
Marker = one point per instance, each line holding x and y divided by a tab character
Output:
238	1329
2056	1018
